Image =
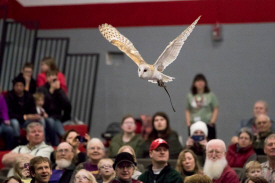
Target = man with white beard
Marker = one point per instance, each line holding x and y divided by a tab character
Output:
64	167
216	166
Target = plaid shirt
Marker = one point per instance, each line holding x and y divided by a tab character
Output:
268	173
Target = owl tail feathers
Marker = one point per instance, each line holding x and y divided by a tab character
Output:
166	78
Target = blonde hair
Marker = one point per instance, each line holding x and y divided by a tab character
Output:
131	149
38	96
181	157
90	176
106	160
252	165
16	166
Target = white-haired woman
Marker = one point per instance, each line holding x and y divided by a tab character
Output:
95	152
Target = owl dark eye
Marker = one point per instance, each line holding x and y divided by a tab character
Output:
138	69
145	70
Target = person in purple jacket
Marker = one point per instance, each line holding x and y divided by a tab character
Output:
6	130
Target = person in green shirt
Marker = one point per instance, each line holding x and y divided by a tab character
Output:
202	105
128	137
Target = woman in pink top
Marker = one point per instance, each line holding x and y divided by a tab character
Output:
48	63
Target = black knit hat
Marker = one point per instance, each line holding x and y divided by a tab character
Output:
19	79
124	156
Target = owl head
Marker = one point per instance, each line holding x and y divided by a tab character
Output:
144	71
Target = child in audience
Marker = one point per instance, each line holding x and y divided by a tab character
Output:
253	169
39	102
105	170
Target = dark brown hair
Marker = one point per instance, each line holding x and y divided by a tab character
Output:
51	73
156	134
67	134
28	65
257	180
199	77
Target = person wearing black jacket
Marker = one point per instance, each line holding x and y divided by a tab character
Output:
21	106
30	83
56	105
160	171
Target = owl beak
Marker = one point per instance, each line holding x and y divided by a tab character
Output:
140	74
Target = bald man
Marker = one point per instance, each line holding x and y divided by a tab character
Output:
216	166
260	107
64	167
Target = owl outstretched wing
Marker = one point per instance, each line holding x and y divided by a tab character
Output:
124	44
172	51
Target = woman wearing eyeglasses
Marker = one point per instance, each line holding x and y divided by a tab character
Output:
21	169
242	152
83	176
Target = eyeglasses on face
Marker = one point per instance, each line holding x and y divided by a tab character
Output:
106	166
82	177
215	151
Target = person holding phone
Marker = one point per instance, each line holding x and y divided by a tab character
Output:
21	169
198	140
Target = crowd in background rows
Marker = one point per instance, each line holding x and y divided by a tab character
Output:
41	106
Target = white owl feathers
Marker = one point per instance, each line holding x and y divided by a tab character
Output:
153	73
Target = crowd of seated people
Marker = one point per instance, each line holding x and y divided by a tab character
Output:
42	110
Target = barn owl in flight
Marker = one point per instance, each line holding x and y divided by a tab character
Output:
153	73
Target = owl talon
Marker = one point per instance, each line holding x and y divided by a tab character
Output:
161	83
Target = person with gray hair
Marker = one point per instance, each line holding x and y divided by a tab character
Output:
95	152
216	166
242	152
263	126
268	167
35	147
260	107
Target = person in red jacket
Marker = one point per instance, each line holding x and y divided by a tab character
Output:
242	152
216	166
47	64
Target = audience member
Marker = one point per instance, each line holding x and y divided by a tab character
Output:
146	126
124	166
40	169
39	102
202	105
105	170
72	137
47	64
26	73
257	180
198	140
21	106
216	166
187	164
35	147
130	150
64	165
268	167
160	170
263	126
260	107
241	153
21	169
84	176
253	169
57	105
128	137
95	152
198	178
13	179
6	130
161	129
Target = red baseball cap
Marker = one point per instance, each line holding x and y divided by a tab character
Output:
157	143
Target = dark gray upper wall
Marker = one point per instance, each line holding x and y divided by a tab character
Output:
240	70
